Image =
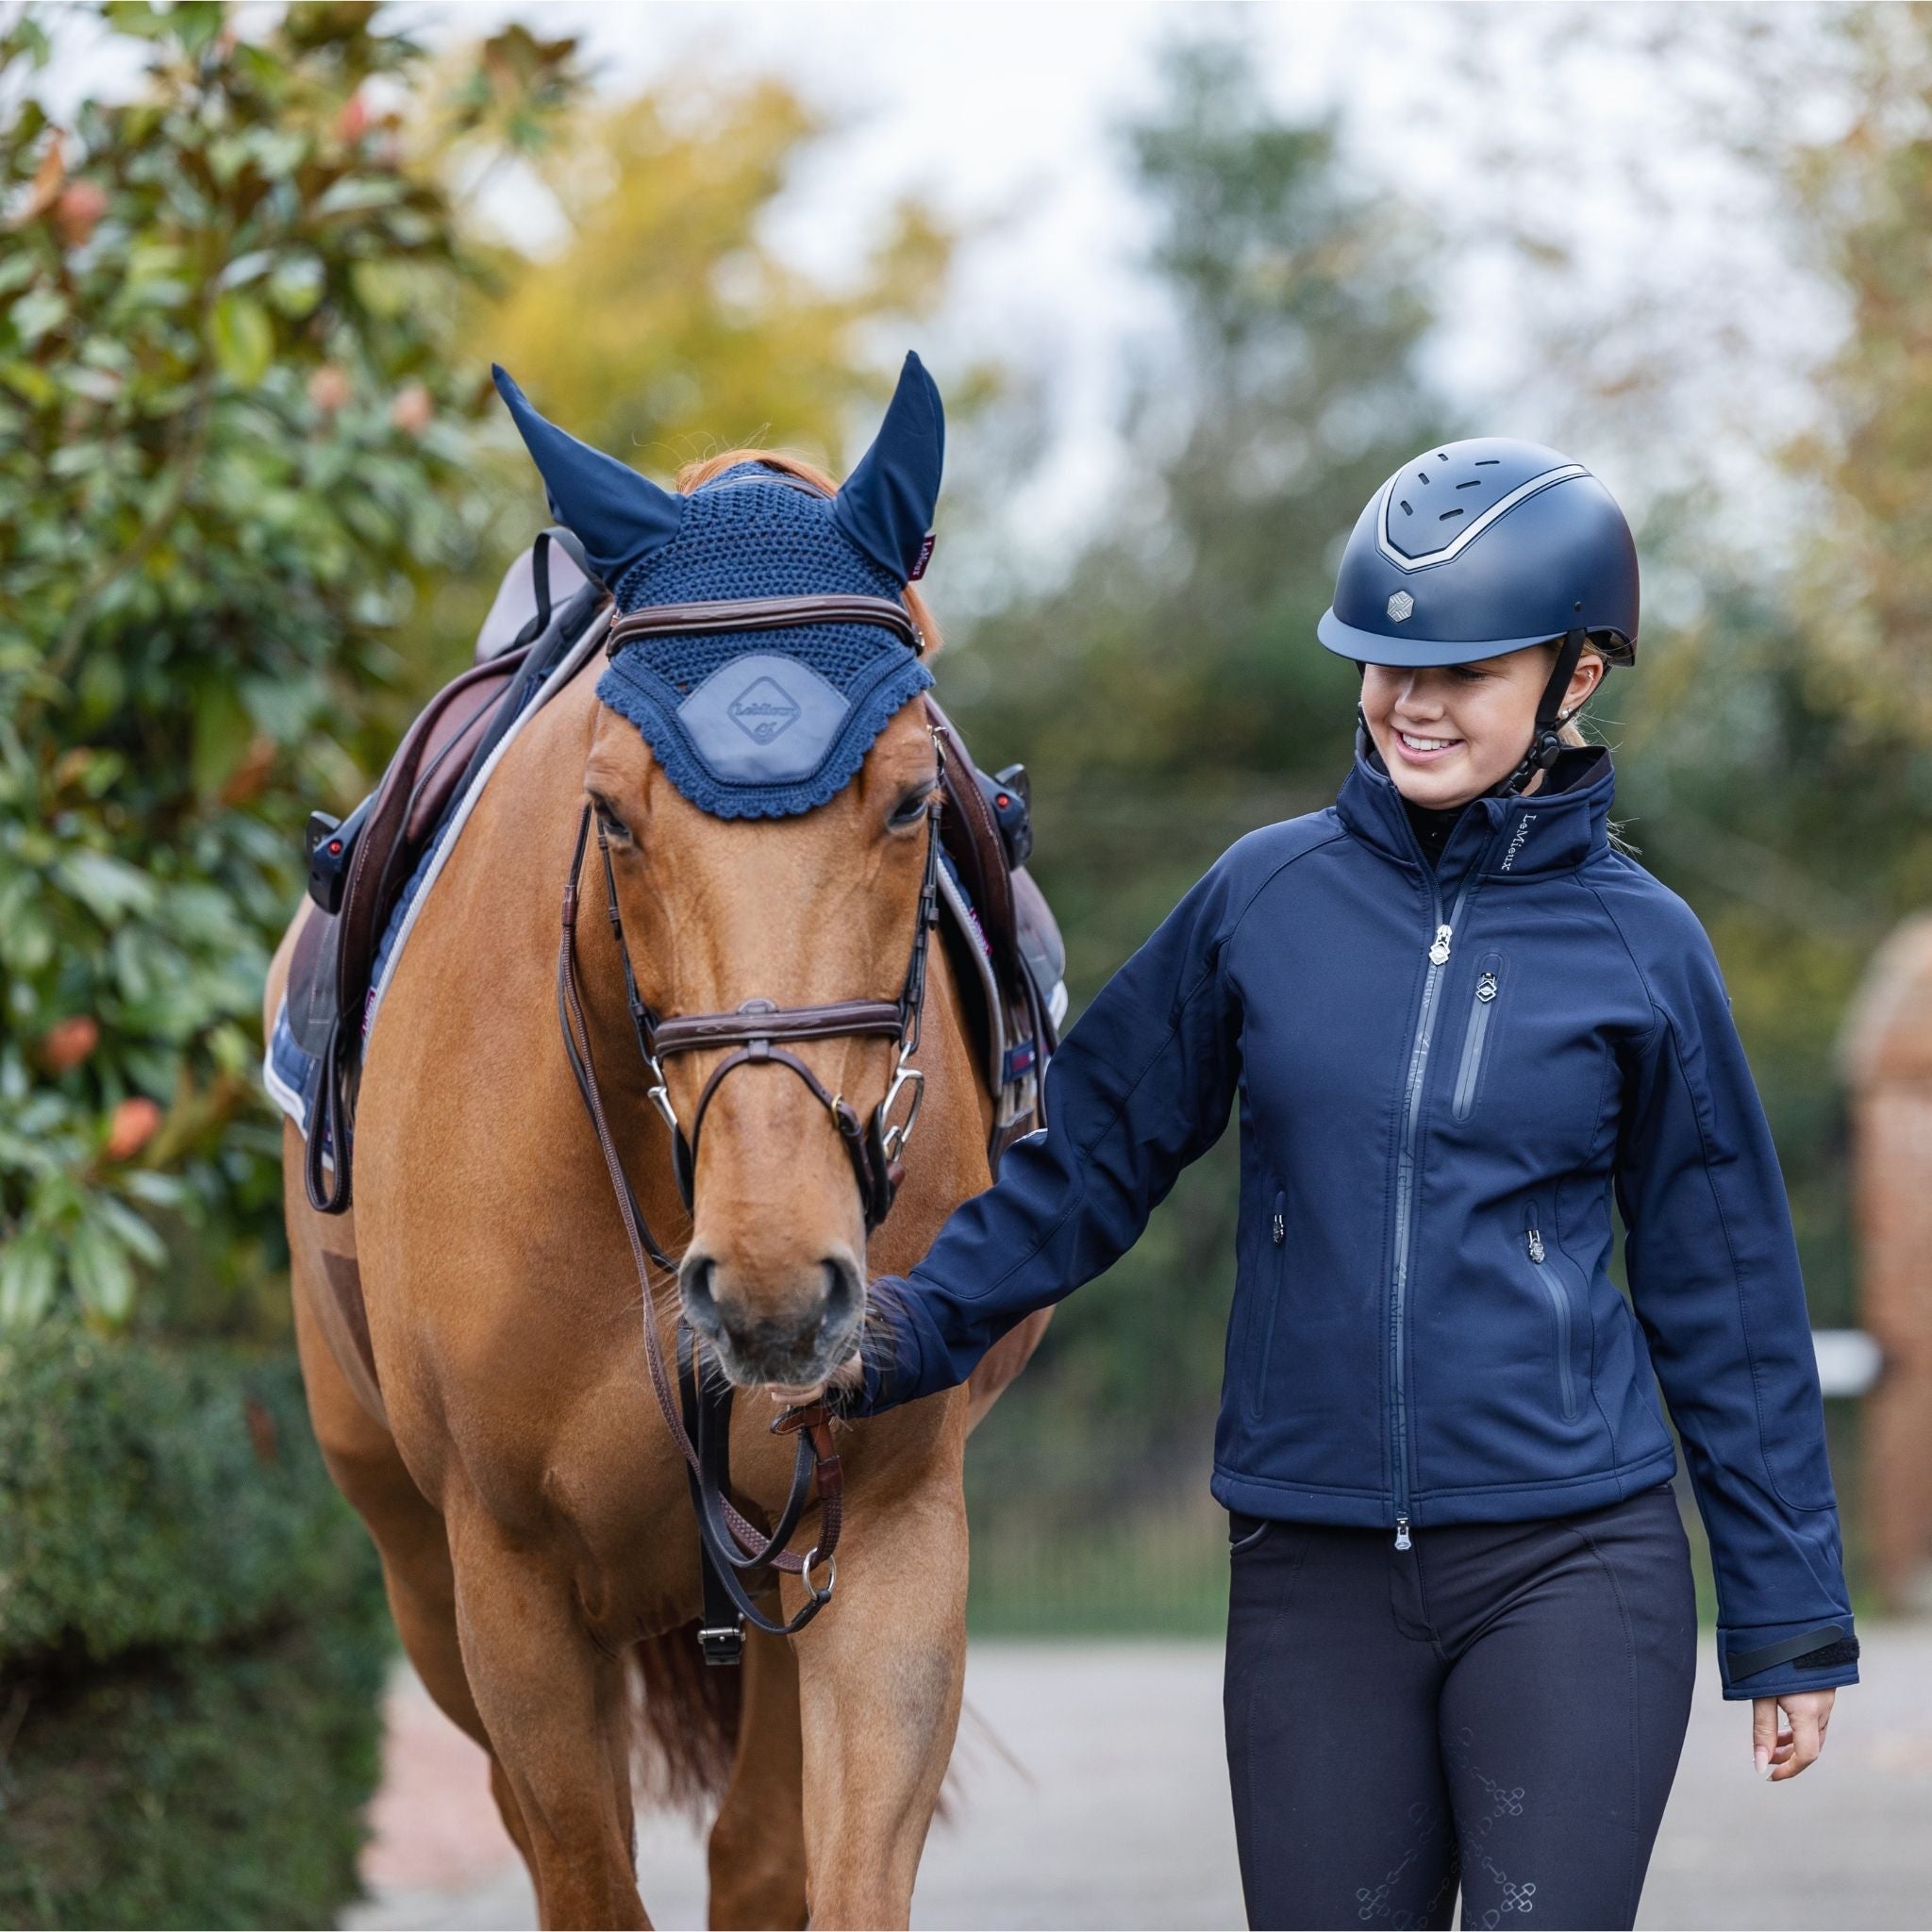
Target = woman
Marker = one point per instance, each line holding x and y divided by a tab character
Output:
1462	1633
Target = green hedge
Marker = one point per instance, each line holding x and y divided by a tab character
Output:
193	1642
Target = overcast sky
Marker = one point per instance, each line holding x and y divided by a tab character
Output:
1004	115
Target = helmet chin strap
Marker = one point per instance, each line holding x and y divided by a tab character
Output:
1546	741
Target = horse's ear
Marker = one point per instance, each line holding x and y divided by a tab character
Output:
885	507
619	516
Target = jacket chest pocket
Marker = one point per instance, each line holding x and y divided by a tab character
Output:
1484	1003
1553	1273
1274	1277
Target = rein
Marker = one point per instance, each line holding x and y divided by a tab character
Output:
698	1416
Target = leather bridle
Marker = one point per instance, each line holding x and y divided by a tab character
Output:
733	1548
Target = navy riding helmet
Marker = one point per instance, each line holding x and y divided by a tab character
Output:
1481	547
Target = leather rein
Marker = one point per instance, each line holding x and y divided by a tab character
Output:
734	1550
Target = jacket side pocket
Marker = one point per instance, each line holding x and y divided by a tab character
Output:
1273	1274
1555	1282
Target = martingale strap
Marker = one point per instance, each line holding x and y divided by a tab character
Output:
738	1558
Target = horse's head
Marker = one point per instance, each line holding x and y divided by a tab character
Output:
765	797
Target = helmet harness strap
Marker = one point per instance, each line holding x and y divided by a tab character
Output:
1546	741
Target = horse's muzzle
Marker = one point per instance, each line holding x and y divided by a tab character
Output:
795	1330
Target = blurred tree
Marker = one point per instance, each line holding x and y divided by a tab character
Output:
1289	396
666	325
233	445
1171	695
1866	597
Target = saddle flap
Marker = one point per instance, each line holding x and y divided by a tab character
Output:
1042	950
424	775
973	843
312	982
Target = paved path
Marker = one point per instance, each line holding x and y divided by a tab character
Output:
1090	1790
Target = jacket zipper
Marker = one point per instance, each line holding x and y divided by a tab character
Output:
1559	1301
1487	986
1405	1186
1277	1235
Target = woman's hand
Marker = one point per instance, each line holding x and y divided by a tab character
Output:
848	1378
1784	1754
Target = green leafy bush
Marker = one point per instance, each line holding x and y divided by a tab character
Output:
233	451
192	1641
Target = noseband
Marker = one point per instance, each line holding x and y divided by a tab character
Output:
699	1418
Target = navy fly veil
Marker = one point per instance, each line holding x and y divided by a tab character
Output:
757	723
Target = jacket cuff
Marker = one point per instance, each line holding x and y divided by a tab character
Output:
889	1350
1768	1660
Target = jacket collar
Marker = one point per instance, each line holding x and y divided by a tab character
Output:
1554	829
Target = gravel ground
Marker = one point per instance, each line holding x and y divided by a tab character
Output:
1090	1790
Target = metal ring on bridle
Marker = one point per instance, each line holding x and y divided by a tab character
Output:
812	1557
897	1134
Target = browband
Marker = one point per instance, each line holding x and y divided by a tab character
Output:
762	613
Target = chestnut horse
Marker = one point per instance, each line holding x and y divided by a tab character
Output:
530	1504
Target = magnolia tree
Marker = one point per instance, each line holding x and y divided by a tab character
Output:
233	452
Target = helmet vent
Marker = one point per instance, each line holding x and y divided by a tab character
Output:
1486	462
1406	510
1447	514
1442	456
1424	475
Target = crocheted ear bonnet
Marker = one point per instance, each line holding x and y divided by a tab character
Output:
757	724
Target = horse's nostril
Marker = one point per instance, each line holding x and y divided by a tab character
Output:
843	1294
700	1303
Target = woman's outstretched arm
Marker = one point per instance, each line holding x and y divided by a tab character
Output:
1141	1084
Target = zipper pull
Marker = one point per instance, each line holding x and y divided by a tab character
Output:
1401	1539
1533	1235
1276	1229
1486	987
1438	952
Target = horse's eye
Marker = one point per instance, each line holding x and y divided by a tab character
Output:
912	808
613	826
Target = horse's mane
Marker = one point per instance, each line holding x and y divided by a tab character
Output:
694	475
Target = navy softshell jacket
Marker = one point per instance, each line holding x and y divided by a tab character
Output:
1443	1074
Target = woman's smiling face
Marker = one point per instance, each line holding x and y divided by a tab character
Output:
1447	732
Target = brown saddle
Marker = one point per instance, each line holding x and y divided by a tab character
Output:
332	969
1023	942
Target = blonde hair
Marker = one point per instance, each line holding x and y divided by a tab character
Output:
1571	733
694	475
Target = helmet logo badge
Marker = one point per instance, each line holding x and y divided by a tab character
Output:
1401	606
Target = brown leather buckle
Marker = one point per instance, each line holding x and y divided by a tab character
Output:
801	1415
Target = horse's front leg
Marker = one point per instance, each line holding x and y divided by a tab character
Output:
553	1701
881	1675
756	1851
